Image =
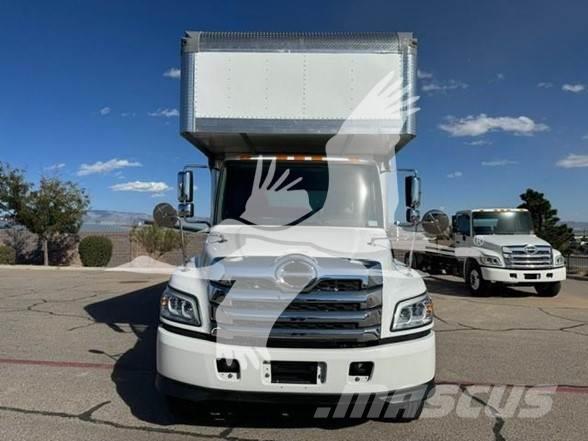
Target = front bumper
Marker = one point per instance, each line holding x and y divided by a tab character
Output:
189	392
192	361
518	276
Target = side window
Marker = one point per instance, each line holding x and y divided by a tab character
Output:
463	224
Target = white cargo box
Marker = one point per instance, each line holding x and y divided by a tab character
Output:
290	92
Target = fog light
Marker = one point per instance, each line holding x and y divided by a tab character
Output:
228	368
361	369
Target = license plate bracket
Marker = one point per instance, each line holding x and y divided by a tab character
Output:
297	372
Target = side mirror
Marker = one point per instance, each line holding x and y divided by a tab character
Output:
412	191
186	210
435	223
185	187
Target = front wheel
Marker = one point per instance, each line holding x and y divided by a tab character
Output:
476	283
548	289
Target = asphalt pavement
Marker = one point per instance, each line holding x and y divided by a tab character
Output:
77	362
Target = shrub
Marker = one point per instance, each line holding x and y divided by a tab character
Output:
7	255
95	250
155	240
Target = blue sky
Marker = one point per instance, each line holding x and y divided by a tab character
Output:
503	86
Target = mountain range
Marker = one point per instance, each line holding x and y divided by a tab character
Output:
109	217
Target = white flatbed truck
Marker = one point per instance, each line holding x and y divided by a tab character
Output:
494	246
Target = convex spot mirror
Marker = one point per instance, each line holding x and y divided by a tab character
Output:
435	223
185	187
164	215
412	216
186	210
412	191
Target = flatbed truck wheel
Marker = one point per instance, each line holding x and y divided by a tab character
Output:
550	289
477	285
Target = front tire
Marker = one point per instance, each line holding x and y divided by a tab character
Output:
548	289
477	285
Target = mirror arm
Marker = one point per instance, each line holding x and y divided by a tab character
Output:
208	224
194	166
184	258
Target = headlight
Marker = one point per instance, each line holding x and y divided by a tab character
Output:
413	313
490	260
559	260
179	307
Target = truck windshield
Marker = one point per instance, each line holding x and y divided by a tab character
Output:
502	222
356	203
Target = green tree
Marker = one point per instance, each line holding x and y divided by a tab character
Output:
13	189
156	240
545	221
52	211
55	209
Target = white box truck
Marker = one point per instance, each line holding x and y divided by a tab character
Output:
491	247
296	294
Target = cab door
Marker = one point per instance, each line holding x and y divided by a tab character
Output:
463	230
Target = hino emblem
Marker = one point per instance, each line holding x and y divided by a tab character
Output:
295	272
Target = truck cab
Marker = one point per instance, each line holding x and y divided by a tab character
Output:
296	294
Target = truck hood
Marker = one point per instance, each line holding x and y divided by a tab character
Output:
314	241
497	241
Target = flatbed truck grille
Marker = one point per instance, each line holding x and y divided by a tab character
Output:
528	257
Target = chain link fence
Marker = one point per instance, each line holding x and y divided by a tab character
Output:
577	263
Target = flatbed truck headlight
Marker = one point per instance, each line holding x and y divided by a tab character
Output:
558	260
413	313
179	307
491	260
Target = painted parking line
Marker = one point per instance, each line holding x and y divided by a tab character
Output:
62	364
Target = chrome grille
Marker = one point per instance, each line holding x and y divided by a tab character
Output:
333	312
528	256
338	285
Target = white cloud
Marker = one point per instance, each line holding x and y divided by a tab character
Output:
142	186
105	111
500	76
574	88
128	114
573	161
585	137
422	75
105	167
545	85
55	167
432	85
167	113
479	142
172	72
482	124
443	86
455	174
498	163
